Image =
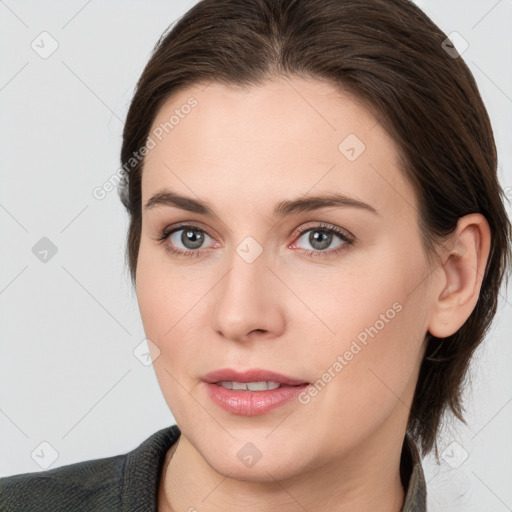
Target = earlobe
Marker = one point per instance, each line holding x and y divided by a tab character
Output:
463	269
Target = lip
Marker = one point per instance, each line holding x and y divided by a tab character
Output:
252	375
252	403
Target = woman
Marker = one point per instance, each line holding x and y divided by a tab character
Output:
317	239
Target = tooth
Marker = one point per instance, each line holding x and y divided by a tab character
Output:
257	386
250	386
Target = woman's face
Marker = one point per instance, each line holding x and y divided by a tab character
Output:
263	284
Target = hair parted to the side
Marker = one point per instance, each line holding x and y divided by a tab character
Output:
389	55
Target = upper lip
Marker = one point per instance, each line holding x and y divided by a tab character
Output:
252	375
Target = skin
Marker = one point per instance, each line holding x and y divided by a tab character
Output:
243	151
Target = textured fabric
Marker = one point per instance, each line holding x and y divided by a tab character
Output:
125	483
129	482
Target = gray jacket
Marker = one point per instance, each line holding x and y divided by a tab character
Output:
129	482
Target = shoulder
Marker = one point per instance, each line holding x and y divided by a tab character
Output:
109	483
75	487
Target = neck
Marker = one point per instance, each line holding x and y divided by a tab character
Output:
367	479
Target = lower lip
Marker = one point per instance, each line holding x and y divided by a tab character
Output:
252	403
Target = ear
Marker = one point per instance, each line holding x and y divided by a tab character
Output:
463	269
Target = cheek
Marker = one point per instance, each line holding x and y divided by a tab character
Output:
165	295
169	303
368	291
175	303
378	315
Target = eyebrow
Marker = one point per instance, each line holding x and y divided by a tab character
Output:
167	197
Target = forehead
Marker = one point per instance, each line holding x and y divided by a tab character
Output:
284	137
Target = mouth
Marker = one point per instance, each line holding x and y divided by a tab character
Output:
252	392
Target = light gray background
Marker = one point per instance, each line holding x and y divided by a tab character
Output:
69	326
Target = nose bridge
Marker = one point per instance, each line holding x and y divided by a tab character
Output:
244	283
246	298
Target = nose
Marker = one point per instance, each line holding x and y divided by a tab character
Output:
249	301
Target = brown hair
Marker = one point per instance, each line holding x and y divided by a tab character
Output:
391	56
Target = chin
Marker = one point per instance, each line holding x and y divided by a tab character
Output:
268	471
255	462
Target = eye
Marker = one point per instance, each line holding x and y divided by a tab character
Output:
321	237
189	240
184	240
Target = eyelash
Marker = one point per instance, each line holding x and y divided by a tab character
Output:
325	228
